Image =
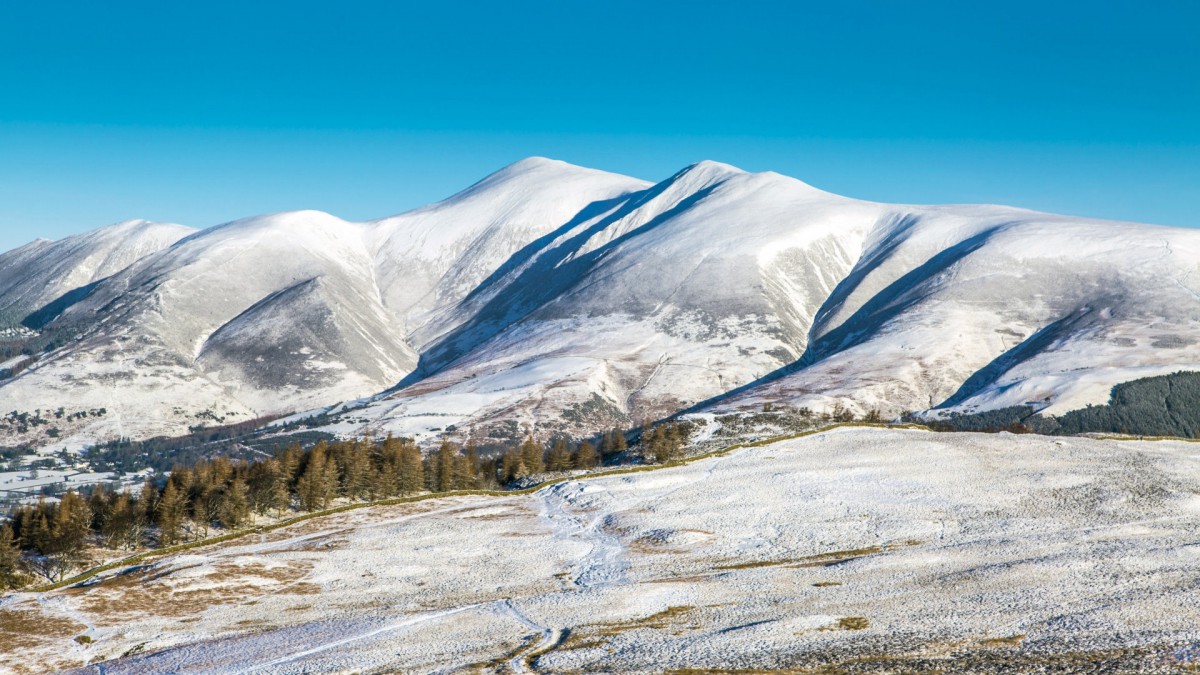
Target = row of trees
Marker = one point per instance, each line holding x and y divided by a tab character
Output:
531	458
664	442
50	539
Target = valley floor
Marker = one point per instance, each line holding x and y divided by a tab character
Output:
852	550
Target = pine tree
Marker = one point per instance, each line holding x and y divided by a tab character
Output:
234	509
263	480
613	443
356	476
586	456
386	480
512	465
675	439
121	528
443	475
470	477
100	501
412	469
147	502
172	509
11	574
533	456
289	464
318	484
203	499
73	521
58	536
222	470
33	526
659	445
559	457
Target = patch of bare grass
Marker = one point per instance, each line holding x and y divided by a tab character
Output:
25	629
1003	642
819	560
598	634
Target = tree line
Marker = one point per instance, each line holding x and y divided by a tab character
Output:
51	539
1163	405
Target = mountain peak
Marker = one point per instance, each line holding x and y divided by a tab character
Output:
712	166
701	175
535	162
535	168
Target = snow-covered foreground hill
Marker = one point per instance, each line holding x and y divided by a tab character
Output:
550	298
1017	552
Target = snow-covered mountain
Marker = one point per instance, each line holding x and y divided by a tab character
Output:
284	312
550	298
42	271
735	290
972	308
643	305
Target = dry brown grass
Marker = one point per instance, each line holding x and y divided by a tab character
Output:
149	591
589	636
853	623
691	579
25	629
1003	642
819	560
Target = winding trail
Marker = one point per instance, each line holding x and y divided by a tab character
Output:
605	563
550	637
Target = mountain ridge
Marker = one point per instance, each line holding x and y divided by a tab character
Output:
549	298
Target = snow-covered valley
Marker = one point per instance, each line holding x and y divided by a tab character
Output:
841	548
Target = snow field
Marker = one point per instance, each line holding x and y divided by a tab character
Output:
902	544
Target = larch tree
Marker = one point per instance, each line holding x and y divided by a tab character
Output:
234	509
318	483
559	457
412	469
171	512
533	456
11	573
586	456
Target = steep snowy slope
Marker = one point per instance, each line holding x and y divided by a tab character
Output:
39	272
970	308
429	259
289	311
674	294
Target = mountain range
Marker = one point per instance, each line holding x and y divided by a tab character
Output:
549	298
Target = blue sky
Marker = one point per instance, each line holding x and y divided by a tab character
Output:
203	112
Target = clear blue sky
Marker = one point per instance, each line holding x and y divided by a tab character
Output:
203	112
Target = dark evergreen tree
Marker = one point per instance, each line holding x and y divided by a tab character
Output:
586	456
559	456
12	573
170	514
533	456
313	488
234	508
